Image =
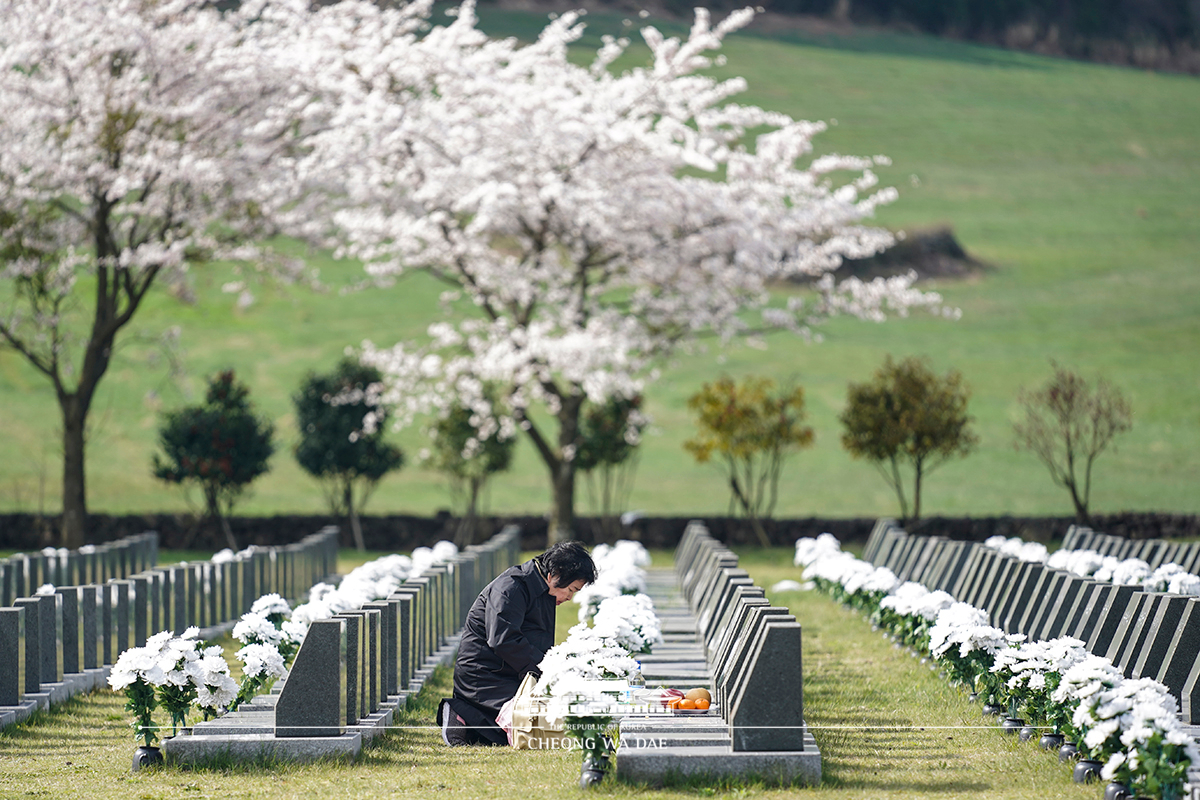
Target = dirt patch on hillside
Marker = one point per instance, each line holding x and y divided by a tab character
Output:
931	253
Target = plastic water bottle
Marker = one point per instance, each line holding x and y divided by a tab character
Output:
636	681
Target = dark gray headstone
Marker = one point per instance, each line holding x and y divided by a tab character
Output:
8	581
12	656
72	625
1147	659
766	709
1022	597
1061	607
1025	615
33	643
108	624
123	609
1190	702
313	700
726	675
89	620
1075	614
355	658
1045	601
179	599
1133	623
141	609
1182	654
1108	619
1008	593
405	640
388	610
51	633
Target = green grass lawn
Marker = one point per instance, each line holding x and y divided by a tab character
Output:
1080	183
886	725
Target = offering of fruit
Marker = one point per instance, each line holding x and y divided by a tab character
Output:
686	703
699	693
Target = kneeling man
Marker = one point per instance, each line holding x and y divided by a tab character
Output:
509	629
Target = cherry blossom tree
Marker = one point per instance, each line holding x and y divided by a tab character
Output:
587	222
138	137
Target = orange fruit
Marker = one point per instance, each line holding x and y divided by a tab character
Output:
686	703
702	704
674	702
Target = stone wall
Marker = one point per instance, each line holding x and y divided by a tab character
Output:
403	532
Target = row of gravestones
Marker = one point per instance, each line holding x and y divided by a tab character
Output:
752	651
1154	552
1145	634
55	645
360	663
22	574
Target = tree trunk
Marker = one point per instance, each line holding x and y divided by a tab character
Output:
352	512
562	472
562	512
74	499
212	499
917	493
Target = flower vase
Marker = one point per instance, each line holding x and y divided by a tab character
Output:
595	765
1027	734
1011	725
1051	741
1117	791
1068	752
992	709
146	757
1087	770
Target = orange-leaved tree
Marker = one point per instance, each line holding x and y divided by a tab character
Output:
750	429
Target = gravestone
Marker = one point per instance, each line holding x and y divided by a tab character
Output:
33	643
1147	659
124	615
404	638
1008	593
1182	654
1133	622
13	682
51	637
355	658
313	699
1025	615
725	674
72	624
140	596
179	600
387	646
1021	596
767	705
1075	615
1044	601
1061	606
1108	618
89	618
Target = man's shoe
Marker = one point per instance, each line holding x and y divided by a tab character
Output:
454	728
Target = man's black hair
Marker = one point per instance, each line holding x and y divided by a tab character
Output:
569	562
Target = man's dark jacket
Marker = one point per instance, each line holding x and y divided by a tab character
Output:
509	629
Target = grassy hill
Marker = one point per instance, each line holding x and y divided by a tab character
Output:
1080	183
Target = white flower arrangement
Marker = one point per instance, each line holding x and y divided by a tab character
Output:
215	689
1018	548
261	660
271	604
630	621
809	550
619	572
